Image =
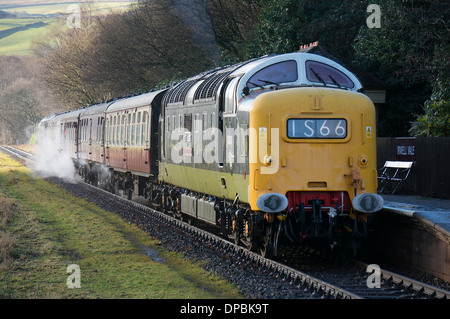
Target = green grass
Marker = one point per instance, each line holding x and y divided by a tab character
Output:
43	229
19	43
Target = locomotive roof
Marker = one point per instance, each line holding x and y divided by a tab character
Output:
205	86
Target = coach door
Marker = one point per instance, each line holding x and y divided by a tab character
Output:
137	150
116	144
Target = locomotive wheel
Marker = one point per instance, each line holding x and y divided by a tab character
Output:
266	249
237	240
252	244
186	218
237	232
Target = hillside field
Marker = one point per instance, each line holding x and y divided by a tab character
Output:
33	21
17	35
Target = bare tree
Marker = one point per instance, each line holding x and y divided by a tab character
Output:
234	23
23	100
120	53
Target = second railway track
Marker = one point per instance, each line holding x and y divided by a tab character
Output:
257	277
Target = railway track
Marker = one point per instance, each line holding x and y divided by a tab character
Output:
348	281
18	154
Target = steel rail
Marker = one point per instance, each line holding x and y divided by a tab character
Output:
414	286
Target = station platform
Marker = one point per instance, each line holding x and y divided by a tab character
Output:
434	212
414	231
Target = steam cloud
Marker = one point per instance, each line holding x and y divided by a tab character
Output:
53	162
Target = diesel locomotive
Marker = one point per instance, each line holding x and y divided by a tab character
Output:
276	149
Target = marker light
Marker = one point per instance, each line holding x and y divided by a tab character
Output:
272	202
368	203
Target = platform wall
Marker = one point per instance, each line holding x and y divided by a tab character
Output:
430	174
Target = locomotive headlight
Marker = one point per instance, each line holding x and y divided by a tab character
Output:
272	202
368	203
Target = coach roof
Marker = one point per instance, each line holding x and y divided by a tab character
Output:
132	102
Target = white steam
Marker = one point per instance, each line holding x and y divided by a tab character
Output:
52	161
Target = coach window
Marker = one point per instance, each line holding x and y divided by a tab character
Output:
81	130
133	130
111	128
326	74
102	122
98	136
115	128
100	129
144	128
84	130
128	130
138	130
97	131
277	73
108	132
122	130
90	130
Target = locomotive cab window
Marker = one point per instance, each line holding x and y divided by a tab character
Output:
326	74
317	128
277	73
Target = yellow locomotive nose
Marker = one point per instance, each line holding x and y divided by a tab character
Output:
305	140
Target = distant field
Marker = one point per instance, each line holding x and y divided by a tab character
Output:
17	35
45	9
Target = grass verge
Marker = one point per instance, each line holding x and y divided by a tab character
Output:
43	230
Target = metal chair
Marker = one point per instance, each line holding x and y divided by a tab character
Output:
393	173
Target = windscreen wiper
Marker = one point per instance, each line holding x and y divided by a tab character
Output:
268	82
254	84
335	82
318	76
